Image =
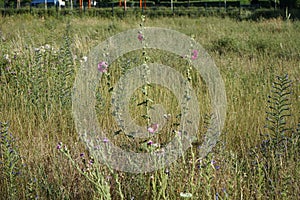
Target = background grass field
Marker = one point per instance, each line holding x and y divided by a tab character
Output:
254	159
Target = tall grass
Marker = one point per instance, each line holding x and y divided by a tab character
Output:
41	56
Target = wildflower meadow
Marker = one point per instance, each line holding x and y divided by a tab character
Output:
43	154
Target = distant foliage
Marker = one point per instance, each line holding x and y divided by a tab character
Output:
289	4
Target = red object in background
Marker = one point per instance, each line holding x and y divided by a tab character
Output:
80	4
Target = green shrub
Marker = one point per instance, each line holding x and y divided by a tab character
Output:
266	14
225	45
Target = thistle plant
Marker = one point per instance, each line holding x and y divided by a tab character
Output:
89	168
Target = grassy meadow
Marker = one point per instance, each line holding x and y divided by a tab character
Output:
42	156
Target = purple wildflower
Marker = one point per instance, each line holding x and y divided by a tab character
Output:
214	164
59	146
91	161
105	140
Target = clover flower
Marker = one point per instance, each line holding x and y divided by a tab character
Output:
150	142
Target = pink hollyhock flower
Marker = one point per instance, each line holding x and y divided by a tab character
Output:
194	54
153	128
103	67
140	37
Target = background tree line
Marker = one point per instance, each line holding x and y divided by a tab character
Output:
284	4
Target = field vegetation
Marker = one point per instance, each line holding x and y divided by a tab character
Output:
42	156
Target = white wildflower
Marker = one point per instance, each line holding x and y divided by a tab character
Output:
47	46
84	58
186	195
6	57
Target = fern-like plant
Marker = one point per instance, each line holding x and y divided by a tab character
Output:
278	113
275	149
279	109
